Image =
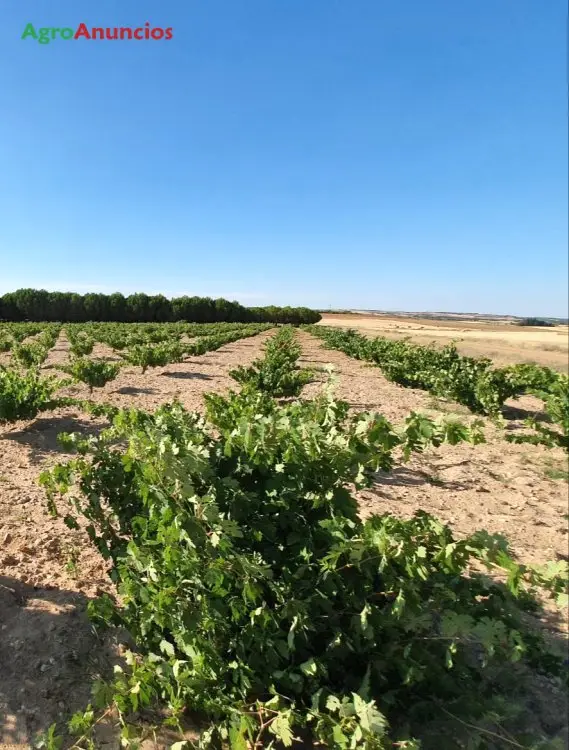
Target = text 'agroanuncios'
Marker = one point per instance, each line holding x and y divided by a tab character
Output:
47	34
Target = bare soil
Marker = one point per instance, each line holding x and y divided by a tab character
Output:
48	573
505	343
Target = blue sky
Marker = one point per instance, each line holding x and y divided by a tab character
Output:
351	153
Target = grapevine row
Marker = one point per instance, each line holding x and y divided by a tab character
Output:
470	381
25	391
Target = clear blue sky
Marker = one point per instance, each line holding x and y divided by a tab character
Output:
390	154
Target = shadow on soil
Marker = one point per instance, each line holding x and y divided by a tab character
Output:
524	406
465	462
49	655
516	413
129	390
405	477
40	437
187	375
361	406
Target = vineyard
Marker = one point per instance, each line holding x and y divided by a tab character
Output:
467	380
272	551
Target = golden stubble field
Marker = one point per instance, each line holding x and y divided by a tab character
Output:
505	343
48	573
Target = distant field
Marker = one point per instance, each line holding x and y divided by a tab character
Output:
505	343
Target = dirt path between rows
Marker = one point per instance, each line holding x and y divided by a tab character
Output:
48	572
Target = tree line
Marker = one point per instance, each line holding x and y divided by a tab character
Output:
535	322
68	307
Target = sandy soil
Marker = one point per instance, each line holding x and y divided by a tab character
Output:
48	573
503	342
